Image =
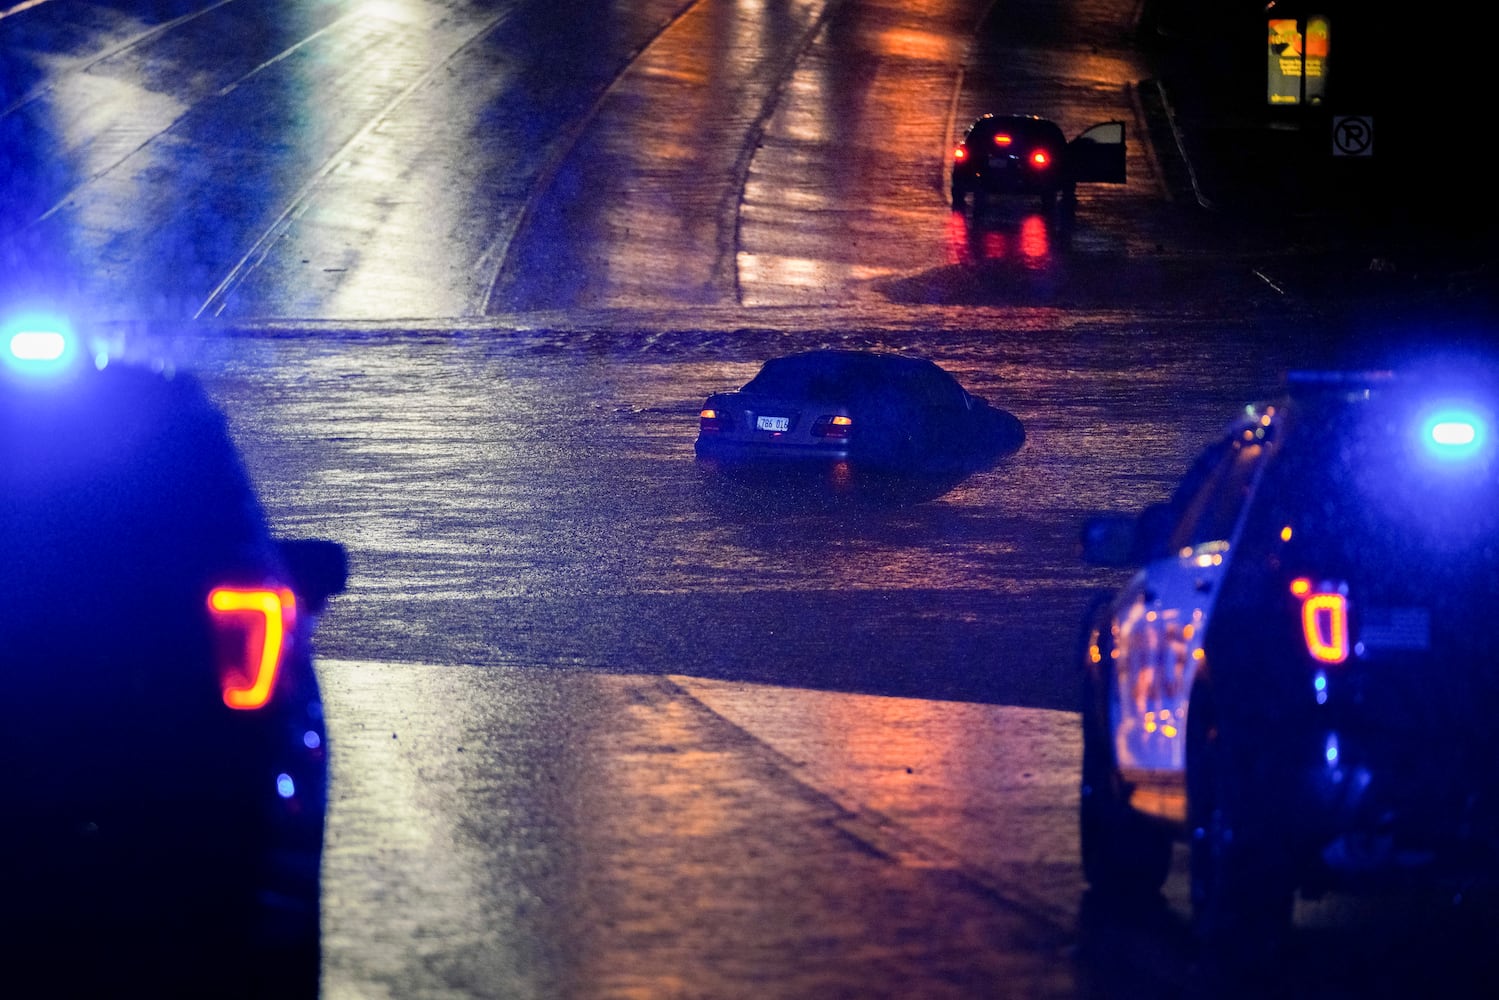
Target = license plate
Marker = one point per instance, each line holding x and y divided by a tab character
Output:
1000	163
773	423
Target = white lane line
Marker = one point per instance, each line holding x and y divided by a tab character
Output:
18	8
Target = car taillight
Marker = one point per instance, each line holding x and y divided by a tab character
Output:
1324	620
833	427
1040	158
712	421
960	154
1003	139
251	626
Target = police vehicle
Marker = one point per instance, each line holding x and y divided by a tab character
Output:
1299	681
161	730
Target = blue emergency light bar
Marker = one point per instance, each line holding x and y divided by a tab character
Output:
37	346
1455	433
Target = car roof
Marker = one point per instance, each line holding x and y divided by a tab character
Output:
123	474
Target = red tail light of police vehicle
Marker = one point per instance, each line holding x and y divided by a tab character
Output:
252	627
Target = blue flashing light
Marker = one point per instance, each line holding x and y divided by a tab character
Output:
285	786
37	346
1454	434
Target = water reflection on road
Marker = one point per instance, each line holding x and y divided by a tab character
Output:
500	834
596	734
545	507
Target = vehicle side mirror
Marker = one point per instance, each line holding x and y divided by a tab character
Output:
1153	532
1122	540
319	569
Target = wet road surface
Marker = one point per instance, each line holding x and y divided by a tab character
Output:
596	732
672	746
453	158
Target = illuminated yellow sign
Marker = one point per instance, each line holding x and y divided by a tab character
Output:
1298	60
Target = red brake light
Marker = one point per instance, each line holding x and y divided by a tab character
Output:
833	427
960	154
711	421
251	626
1003	139
1324	620
1040	159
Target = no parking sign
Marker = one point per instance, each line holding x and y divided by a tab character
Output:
1353	135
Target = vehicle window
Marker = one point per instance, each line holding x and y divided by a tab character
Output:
1105	134
846	379
931	386
1023	129
1212	494
794	377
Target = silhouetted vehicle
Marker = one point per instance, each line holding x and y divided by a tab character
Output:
1298	682
846	411
161	731
1029	155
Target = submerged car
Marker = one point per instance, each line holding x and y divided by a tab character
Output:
162	731
850	413
1029	155
1298	681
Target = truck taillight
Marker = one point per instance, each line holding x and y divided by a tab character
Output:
251	626
1324	620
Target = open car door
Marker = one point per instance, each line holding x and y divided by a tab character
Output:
1097	155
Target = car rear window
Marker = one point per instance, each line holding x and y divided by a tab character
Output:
847	377
1025	129
821	376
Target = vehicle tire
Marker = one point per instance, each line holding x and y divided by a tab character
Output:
1069	202
1242	892
1125	856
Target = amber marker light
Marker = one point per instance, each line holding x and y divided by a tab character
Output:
260	618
